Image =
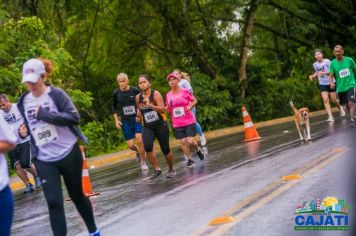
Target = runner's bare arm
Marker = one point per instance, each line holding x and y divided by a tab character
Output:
331	79
117	121
139	115
6	146
311	77
160	104
192	104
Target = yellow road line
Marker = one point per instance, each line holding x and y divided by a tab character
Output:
312	167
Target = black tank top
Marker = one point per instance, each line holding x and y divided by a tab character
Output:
150	116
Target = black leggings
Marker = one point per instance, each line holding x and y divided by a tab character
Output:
71	169
160	131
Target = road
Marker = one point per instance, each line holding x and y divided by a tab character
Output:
238	180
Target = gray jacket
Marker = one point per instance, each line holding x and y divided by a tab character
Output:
67	115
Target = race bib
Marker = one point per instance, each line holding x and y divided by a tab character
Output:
129	110
151	116
178	112
45	134
344	73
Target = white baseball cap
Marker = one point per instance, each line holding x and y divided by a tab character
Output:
32	70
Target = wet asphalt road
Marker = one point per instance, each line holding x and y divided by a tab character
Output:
130	203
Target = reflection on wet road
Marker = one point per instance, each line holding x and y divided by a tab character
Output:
124	186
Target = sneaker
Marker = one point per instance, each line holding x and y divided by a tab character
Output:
156	174
29	188
143	166
353	123
342	112
190	164
331	119
96	233
205	151
171	173
200	154
202	140
138	157
38	183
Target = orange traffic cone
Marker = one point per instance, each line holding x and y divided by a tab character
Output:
86	183
251	133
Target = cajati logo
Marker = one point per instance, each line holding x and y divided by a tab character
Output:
328	214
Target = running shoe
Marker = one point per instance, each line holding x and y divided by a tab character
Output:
353	123
138	158
143	166
342	112
156	174
29	188
171	173
96	233
200	154
190	164
331	119
38	183
202	140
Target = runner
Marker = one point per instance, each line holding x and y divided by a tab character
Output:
124	105
184	82
52	120
151	110
180	102
321	67
20	157
7	142
342	69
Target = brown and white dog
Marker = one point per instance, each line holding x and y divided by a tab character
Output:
301	119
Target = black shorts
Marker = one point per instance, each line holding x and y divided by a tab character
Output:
347	96
21	154
185	131
161	132
326	88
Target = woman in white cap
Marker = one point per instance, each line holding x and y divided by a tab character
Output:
52	120
7	142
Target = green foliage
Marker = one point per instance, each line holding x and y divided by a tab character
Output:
94	132
213	105
82	100
103	137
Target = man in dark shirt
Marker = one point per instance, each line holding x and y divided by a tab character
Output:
125	116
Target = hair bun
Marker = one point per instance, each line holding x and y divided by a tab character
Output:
48	65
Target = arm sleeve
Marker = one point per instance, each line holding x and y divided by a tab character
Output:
353	65
136	90
5	133
189	96
114	103
67	114
331	69
188	86
314	67
167	103
327	66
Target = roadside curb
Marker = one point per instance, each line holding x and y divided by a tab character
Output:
113	158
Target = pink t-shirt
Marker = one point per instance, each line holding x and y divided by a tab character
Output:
177	105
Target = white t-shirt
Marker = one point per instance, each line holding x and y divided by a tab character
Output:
183	83
14	119
53	142
7	136
323	66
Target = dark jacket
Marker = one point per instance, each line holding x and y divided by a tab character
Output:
67	115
